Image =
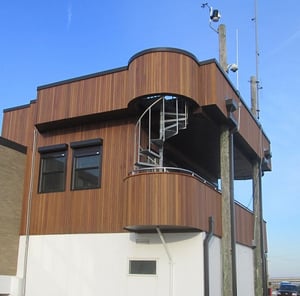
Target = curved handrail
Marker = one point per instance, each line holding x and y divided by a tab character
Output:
138	126
139	120
173	169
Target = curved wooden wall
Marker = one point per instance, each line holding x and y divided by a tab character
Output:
163	72
179	200
171	199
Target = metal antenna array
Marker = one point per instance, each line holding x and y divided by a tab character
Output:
214	16
257	82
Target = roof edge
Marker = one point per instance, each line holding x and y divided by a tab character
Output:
19	107
163	49
83	77
13	145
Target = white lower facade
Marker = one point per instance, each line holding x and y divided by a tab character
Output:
98	264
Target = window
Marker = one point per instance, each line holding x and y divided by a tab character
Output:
52	168
142	267
86	173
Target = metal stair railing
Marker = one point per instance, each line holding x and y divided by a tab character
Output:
169	125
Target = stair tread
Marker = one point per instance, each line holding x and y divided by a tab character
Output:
149	152
159	142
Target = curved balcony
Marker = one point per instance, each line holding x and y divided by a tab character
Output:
171	198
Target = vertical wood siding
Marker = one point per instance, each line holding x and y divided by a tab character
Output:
168	199
163	72
81	211
244	226
88	96
171	199
150	73
179	200
18	124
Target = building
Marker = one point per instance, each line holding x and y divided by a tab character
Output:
122	190
12	162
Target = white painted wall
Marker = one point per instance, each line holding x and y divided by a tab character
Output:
215	267
10	285
5	284
97	264
245	270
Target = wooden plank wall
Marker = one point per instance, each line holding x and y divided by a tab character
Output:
85	97
171	199
102	210
97	210
244	221
153	72
163	72
249	128
18	124
180	200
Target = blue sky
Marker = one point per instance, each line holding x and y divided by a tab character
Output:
48	41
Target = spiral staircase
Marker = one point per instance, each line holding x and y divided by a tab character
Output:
162	119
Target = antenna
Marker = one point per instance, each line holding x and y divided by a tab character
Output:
237	57
256	58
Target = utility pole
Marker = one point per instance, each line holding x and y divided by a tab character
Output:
258	244
228	217
227	180
253	89
260	275
227	177
228	243
222	47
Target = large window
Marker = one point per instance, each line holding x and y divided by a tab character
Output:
86	173
52	168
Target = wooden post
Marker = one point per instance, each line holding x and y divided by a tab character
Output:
259	253
258	226
222	47
228	224
253	89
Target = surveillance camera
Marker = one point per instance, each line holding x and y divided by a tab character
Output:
233	67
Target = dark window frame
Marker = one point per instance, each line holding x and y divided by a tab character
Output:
82	171
48	153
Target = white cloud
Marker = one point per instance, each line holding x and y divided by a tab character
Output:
287	42
69	15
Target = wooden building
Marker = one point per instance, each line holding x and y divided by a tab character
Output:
123	178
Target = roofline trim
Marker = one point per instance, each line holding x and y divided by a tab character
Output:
83	77
13	145
163	49
19	107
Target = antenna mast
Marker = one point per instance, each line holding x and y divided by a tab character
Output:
256	59
237	56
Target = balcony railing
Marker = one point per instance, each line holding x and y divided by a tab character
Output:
159	169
